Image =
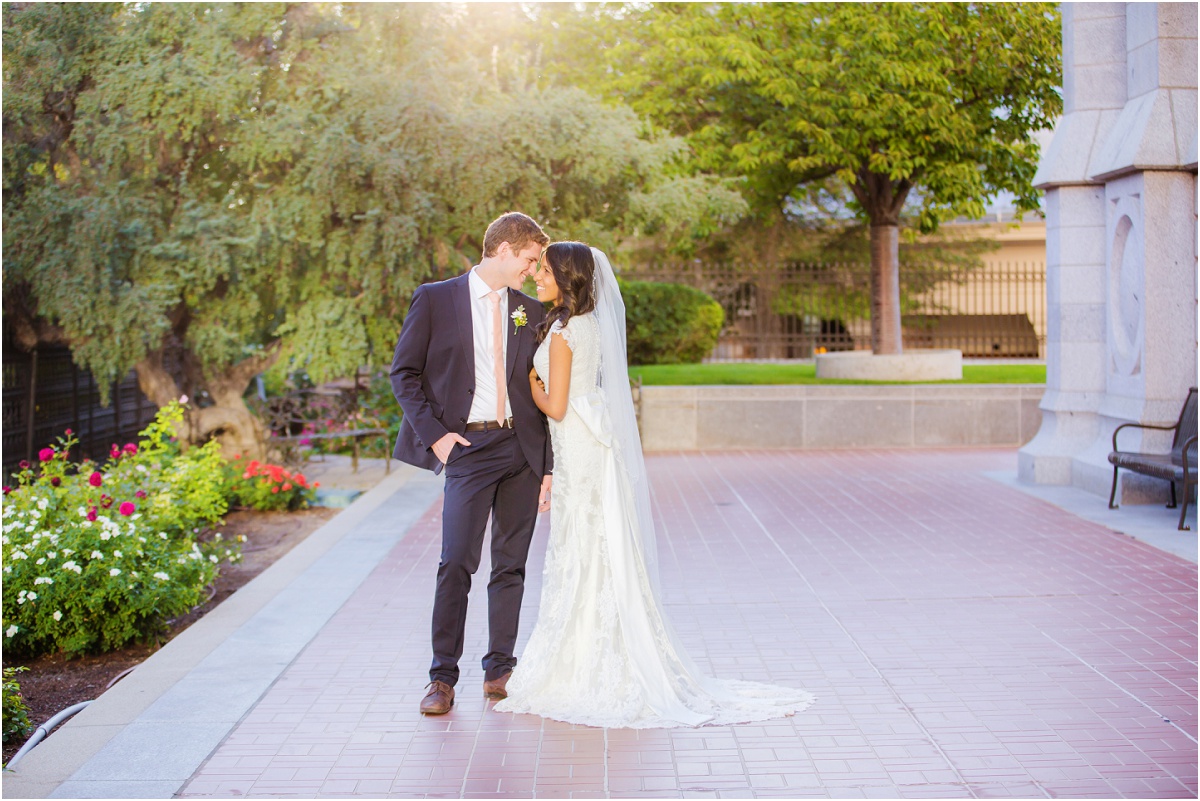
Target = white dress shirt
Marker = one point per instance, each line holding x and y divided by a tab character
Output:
483	407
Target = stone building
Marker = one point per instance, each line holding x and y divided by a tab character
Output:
1121	281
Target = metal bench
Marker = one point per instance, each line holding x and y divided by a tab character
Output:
1178	466
302	417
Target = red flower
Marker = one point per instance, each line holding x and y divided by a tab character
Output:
46	454
130	448
69	432
287	486
55	481
24	465
274	490
95	479
114	451
106	501
7	489
127	509
91	515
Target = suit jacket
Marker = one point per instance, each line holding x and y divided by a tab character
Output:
433	374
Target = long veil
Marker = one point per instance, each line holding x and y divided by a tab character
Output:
614	385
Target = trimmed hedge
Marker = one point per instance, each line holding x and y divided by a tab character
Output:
669	323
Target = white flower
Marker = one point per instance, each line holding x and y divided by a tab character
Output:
104	535
42	503
43	580
114	572
161	576
19	555
213	559
67	552
97	555
11	631
117	554
32	596
58	615
41	561
52	555
141	468
162	535
36	515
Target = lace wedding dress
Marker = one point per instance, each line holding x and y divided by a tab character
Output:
602	652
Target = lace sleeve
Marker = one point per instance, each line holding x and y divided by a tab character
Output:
563	331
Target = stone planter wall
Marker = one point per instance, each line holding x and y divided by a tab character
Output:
839	416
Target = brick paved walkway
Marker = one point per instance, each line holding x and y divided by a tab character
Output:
963	639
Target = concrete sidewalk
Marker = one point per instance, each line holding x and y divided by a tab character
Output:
964	638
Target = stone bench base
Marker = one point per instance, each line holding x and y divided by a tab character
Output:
839	416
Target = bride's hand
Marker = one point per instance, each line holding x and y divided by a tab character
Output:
534	381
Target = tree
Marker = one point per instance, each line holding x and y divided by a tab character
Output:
198	191
928	104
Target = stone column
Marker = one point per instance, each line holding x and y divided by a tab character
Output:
1148	164
1094	92
1120	181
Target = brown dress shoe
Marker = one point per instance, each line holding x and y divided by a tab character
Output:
438	700
494	689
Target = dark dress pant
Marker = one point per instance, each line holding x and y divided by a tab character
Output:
491	477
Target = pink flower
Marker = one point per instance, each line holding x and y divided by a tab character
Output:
95	479
46	454
287	487
127	509
139	494
91	515
24	465
7	489
130	448
69	432
106	501
114	451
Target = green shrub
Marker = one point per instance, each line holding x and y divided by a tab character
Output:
269	487
16	714
98	556
669	323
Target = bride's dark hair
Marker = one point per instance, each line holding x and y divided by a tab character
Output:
573	267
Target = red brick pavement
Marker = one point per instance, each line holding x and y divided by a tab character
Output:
963	639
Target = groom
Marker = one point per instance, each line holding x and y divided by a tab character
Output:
461	375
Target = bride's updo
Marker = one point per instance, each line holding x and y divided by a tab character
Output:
573	267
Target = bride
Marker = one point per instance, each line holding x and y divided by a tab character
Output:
603	652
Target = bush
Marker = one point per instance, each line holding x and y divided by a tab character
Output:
98	556
269	487
16	714
669	323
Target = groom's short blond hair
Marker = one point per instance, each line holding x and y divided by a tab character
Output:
515	228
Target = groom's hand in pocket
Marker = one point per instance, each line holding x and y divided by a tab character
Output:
443	447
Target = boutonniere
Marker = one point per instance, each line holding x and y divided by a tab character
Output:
519	318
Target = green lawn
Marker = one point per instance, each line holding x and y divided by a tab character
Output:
733	373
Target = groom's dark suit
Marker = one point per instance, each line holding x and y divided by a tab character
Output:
433	378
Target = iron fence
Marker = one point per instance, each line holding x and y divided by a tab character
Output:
792	311
45	393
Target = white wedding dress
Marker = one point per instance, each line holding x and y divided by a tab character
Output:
602	652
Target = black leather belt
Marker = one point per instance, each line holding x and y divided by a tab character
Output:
490	425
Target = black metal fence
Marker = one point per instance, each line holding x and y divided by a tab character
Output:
45	393
792	311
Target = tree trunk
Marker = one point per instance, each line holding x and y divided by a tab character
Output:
229	420
885	289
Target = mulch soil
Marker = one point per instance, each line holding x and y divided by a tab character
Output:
54	683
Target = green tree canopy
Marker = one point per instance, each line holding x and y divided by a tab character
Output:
197	190
925	103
